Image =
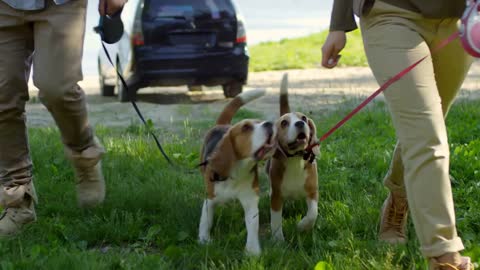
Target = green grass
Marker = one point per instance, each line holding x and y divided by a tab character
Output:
304	52
151	213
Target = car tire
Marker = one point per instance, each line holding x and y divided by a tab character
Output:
123	95
105	89
232	89
194	88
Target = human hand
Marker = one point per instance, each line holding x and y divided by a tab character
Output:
334	44
113	6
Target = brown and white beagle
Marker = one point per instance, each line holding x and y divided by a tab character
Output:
293	169
230	156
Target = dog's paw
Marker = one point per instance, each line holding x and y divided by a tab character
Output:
278	236
306	224
253	250
204	239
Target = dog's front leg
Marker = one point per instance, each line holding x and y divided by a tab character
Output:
206	221
250	207
308	221
276	203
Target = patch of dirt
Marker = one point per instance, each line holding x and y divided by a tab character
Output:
320	89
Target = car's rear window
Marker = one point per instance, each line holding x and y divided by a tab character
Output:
198	9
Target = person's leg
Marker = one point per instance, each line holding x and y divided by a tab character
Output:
58	35
395	208
417	114
451	64
16	188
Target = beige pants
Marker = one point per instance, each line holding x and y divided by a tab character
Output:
395	38
53	40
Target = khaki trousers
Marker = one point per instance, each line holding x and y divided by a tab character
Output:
53	40
395	38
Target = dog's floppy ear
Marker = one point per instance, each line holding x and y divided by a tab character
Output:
313	137
223	158
313	131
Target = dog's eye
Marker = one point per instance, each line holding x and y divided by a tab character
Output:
304	118
247	127
284	123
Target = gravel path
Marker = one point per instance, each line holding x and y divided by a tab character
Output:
321	89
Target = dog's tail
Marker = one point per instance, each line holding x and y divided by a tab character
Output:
284	106
232	107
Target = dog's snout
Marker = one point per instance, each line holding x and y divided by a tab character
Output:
300	124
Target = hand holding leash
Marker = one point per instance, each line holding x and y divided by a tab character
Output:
110	7
110	27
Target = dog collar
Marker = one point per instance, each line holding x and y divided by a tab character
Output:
307	154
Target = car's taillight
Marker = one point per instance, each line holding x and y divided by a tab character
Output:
241	32
137	39
137	31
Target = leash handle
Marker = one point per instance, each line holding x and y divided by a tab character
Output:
384	86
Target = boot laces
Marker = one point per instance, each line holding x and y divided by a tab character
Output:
453	267
86	173
396	215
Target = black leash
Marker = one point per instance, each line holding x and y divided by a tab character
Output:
100	30
134	104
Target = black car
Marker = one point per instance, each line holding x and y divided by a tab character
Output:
178	42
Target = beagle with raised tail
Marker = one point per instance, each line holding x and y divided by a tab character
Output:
229	160
293	169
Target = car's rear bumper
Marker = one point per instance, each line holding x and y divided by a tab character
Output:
154	67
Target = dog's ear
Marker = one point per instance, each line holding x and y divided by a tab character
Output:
313	137
223	157
313	132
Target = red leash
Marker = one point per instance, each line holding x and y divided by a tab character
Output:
383	87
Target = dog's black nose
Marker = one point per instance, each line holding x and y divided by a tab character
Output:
268	125
300	124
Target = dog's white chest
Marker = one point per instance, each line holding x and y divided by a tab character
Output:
238	185
293	182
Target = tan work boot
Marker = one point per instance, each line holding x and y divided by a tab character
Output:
18	203
451	261
394	219
88	173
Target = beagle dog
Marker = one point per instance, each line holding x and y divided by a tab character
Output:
293	169
229	160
